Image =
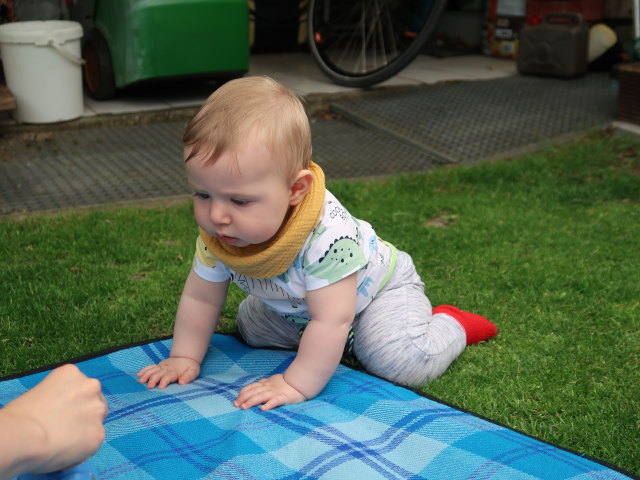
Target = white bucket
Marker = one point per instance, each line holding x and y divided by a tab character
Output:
42	67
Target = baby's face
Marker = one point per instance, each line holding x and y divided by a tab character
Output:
244	202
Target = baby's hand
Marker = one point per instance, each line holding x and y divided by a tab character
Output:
271	392
175	369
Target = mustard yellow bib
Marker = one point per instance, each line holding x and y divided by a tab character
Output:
275	256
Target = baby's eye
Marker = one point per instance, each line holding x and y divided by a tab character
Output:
239	202
201	195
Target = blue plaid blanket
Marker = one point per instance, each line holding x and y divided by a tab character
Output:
359	427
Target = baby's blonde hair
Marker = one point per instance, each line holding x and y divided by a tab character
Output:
257	106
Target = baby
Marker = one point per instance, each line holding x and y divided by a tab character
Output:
317	279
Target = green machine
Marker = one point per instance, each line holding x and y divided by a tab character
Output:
129	41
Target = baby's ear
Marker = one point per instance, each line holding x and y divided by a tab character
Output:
300	186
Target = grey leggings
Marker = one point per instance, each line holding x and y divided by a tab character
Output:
396	336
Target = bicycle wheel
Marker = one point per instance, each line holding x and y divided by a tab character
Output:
358	43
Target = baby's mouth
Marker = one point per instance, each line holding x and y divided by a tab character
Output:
226	239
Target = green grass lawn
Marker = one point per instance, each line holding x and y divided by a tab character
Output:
546	245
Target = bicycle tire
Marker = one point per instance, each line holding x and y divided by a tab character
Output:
359	43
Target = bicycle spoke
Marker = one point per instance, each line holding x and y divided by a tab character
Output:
390	33
373	38
377	37
363	33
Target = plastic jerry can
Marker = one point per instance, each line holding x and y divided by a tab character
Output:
557	47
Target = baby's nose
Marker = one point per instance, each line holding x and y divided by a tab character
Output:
218	213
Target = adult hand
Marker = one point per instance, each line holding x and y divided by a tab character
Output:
55	425
271	392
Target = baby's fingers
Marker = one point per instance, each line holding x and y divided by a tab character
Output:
274	402
146	373
146	370
259	393
189	376
252	399
248	391
166	379
160	377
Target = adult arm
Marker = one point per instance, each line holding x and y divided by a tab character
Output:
56	424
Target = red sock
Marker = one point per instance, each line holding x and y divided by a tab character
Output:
476	327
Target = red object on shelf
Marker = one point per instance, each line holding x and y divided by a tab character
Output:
591	10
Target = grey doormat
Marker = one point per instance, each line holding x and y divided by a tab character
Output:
85	167
473	121
348	150
380	134
97	166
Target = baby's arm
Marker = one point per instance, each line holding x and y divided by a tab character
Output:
196	320
332	310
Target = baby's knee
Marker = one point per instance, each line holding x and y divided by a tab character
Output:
250	320
262	327
400	365
406	359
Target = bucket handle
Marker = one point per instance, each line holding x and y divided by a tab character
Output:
68	55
